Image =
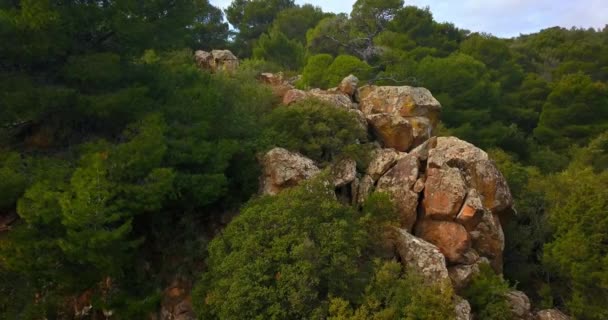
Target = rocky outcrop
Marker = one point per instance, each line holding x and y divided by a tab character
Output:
401	117
283	169
449	194
551	314
217	60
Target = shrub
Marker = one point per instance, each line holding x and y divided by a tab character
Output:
393	294
313	128
486	294
283	256
313	74
344	65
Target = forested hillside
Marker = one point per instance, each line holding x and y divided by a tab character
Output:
122	163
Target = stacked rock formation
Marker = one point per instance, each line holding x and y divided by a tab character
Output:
216	60
450	195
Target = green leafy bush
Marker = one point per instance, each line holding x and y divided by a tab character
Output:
314	72
486	294
393	294
284	256
344	65
316	129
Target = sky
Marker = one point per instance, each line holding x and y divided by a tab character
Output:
503	18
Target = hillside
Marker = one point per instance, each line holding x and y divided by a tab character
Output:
377	165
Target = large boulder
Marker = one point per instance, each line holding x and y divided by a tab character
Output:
419	255
401	117
217	60
451	238
398	183
551	314
404	101
392	131
444	193
519	304
455	153
283	169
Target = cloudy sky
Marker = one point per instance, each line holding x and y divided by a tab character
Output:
504	18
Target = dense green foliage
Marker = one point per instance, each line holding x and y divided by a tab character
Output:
313	128
120	157
486	294
284	256
394	295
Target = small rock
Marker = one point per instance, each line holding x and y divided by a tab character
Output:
419	185
519	305
349	85
462	309
471	212
551	314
